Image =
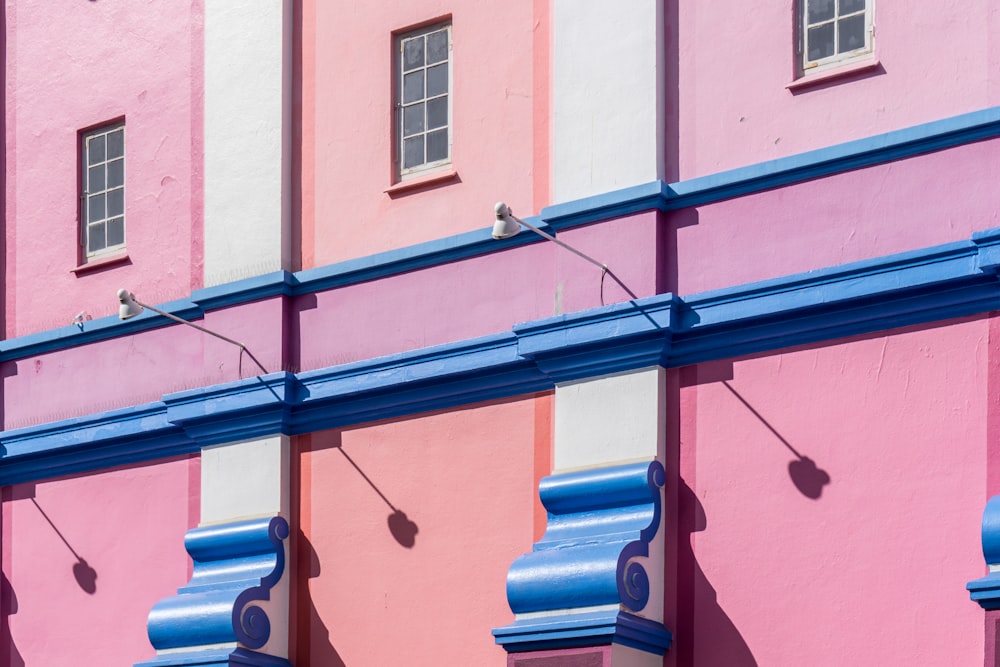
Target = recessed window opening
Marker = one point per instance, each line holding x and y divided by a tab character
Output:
103	198
423	100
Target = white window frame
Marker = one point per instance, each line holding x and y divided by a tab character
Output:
402	102
837	59
101	194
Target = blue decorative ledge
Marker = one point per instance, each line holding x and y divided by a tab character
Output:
986	590
583	584
235	566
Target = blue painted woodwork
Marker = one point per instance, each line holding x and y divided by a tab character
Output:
600	524
235	566
216	658
986	590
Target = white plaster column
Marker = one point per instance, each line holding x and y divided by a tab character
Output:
248	88
608	96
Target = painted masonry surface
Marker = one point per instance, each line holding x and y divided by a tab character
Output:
759	431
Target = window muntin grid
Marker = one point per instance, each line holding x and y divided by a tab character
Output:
103	190
835	32
423	100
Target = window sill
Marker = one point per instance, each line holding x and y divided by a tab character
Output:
835	74
425	182
102	263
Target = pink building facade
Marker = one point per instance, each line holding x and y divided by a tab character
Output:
740	414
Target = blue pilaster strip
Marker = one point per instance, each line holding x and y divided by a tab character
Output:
986	590
600	524
235	565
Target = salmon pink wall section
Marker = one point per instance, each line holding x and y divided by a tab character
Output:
87	64
730	106
909	204
128	525
861	556
429	582
493	109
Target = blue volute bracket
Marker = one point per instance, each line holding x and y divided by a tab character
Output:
986	590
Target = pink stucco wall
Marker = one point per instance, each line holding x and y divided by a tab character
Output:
494	104
371	590
128	525
732	108
86	64
873	570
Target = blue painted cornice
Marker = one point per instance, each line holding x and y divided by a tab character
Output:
927	285
986	590
235	566
600	524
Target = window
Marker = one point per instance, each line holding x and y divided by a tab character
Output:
423	100
834	32
103	198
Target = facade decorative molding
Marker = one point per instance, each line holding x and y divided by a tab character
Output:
235	567
986	590
947	281
585	581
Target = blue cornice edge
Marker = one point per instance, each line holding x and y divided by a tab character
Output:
986	590
235	564
928	285
223	657
594	628
655	195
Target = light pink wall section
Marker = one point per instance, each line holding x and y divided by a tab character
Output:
465	479
85	64
872	571
492	112
128	525
937	60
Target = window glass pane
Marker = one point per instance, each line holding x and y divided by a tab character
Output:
437	113
116	173
437	145
116	202
820	10
437	46
116	144
437	80
413	119
116	231
413	86
95	150
413	152
850	6
413	53
852	34
95	207
820	41
95	237
95	178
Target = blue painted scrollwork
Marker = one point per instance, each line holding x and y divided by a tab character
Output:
600	524
986	590
235	567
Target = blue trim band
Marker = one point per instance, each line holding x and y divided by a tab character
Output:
929	285
216	658
575	630
656	195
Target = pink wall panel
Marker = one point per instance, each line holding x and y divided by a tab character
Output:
860	557
731	108
494	104
374	589
127	525
87	64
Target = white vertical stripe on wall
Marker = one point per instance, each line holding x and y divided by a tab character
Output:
607	96
248	61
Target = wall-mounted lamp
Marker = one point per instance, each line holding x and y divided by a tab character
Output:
508	225
130	307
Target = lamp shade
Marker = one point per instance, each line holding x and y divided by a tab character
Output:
128	308
506	225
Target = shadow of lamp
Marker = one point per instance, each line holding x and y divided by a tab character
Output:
130	307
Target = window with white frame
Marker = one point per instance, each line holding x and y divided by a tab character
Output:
103	205
834	32
423	100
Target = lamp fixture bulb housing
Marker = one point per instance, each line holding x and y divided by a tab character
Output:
506	224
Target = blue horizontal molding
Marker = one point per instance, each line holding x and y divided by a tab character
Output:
929	285
235	567
595	628
216	658
986	590
655	195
